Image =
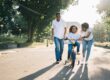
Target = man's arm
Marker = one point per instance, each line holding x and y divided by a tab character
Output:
52	32
65	32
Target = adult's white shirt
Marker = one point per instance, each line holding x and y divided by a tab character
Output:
59	28
85	34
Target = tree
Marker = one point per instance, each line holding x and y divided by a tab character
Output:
34	15
39	13
104	8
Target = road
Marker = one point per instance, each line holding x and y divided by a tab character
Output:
38	64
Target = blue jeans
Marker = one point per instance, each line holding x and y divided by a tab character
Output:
87	44
71	53
70	47
59	46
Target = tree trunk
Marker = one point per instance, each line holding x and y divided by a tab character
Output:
31	29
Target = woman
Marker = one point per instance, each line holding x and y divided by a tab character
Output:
87	36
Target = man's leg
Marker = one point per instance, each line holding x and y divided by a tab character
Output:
61	48
57	48
89	49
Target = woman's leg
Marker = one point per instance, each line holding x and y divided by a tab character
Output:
84	47
89	49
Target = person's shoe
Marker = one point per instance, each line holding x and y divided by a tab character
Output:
67	61
60	59
57	62
72	64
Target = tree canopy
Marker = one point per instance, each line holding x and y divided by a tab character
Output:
103	27
29	16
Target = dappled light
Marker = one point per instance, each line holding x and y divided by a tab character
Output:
54	39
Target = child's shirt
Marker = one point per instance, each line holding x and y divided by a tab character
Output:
73	36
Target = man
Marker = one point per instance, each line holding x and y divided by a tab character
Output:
58	34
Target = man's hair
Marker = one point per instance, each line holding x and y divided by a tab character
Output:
57	13
85	25
70	30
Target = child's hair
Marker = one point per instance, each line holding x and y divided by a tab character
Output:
85	25
70	30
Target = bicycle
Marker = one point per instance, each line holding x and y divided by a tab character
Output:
74	53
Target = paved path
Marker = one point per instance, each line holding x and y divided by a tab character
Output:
38	64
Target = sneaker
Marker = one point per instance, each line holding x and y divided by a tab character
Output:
57	62
60	59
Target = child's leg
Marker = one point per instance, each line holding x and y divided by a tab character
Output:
73	56
70	47
78	46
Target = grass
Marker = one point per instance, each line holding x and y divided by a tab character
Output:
103	44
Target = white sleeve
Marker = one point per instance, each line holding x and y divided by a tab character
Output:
83	34
89	30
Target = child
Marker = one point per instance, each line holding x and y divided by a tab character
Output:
87	36
73	38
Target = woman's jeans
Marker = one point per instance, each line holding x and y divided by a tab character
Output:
59	46
87	45
70	50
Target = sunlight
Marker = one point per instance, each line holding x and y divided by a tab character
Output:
85	11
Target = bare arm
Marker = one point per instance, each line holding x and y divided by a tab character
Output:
65	32
52	32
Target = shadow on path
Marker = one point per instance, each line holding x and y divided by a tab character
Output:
81	75
67	74
64	74
103	74
38	73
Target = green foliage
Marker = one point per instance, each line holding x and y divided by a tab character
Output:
29	16
104	6
103	28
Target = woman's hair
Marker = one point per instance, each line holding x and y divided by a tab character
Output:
70	30
85	25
